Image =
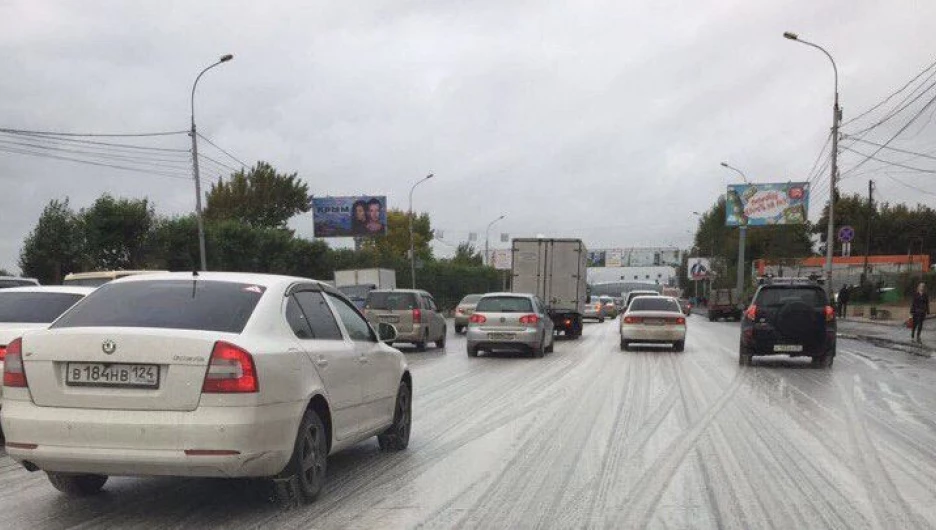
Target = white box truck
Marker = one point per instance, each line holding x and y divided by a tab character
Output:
554	270
357	283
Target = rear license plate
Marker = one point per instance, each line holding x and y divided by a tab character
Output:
501	336
653	321
787	348
389	318
118	375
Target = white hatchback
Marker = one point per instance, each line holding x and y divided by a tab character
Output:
207	375
653	320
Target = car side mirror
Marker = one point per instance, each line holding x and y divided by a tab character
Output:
386	332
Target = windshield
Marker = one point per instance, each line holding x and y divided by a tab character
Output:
384	300
504	304
778	296
34	308
647	303
175	304
471	299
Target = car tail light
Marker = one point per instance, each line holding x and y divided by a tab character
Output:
829	313
677	320
632	320
13	373
529	320
417	316
2	353
751	313
477	319
230	370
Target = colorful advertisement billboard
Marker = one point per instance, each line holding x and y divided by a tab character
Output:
362	216
596	258
699	268
767	204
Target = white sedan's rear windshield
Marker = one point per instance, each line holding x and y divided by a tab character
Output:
34	308
504	304
646	303
174	304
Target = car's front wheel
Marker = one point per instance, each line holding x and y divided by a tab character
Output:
78	485
396	437
679	346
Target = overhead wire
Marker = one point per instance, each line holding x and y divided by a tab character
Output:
232	157
96	135
892	95
90	143
154	161
93	163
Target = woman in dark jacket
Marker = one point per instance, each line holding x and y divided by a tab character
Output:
919	308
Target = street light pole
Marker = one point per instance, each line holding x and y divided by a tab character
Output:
411	245
836	121
487	237
198	194
742	236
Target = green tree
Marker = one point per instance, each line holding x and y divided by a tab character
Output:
173	244
55	246
4	272
116	232
396	243
466	254
261	197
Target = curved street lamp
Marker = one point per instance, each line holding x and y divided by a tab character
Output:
836	121
198	197
742	235
411	245
487	237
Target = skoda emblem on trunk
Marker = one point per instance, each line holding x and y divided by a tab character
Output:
109	346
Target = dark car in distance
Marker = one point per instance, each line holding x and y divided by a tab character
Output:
789	316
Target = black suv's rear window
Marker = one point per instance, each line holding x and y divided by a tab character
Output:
778	296
34	308
175	304
387	300
504	304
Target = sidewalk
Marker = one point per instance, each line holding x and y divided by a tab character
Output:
889	333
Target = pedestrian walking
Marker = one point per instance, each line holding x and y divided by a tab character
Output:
843	296
919	308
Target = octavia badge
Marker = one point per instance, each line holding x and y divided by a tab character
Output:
109	346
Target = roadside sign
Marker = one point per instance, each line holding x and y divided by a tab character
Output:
846	234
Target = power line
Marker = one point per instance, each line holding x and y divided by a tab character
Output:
104	145
888	162
158	162
812	172
892	138
896	111
239	161
911	186
100	164
892	95
222	164
904	151
96	135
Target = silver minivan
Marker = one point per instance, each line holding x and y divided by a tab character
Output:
510	321
412	312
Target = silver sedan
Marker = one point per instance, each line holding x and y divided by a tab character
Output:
510	321
654	320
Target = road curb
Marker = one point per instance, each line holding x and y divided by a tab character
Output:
908	347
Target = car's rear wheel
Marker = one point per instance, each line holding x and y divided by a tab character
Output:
540	349
711	317
552	344
679	345
625	345
396	437
459	329
822	361
472	351
304	474
441	342
745	359
75	484
421	345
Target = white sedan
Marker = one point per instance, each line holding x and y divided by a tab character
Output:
207	375
32	307
653	320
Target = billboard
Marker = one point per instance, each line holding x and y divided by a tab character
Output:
500	259
767	204
596	258
614	257
700	268
361	216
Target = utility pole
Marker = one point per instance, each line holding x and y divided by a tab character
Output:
833	177
742	235
866	271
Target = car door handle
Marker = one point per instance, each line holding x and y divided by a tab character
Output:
323	362
362	359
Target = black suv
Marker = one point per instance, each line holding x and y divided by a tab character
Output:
789	317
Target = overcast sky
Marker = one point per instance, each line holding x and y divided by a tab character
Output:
604	120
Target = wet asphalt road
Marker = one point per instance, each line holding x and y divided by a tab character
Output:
592	437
